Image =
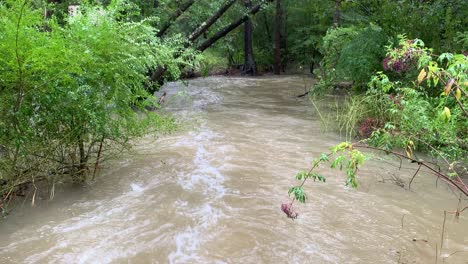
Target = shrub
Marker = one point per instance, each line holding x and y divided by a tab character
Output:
350	54
361	57
68	91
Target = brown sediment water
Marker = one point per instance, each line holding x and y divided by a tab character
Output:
211	193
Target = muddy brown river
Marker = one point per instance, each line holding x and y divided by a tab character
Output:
211	193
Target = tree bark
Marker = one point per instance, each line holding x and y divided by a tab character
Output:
182	8
227	29
277	64
210	21
249	61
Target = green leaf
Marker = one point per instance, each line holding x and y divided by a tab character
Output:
446	114
298	193
338	161
323	157
301	175
318	177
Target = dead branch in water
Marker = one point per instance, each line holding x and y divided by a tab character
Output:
443	231
411	181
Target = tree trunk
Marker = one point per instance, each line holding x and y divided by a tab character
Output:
337	14
182	8
210	21
284	42
224	31
277	65
249	62
157	74
80	176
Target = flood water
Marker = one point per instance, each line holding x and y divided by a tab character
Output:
211	193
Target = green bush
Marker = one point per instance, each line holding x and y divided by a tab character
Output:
350	54
362	56
428	114
66	91
333	44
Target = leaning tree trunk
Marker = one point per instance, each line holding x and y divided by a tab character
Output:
182	8
277	64
225	30
210	21
249	62
157	74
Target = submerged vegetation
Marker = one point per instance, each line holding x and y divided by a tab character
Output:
71	93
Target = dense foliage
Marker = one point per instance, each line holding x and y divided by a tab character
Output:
405	98
69	92
428	114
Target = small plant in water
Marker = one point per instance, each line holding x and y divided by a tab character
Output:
345	156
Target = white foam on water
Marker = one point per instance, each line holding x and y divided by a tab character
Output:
205	176
136	188
103	233
189	241
205	179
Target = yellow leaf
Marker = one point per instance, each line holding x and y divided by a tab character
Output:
421	76
458	94
446	113
408	154
448	87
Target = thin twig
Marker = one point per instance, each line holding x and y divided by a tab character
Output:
33	201
443	231
409	185
460	185
458	251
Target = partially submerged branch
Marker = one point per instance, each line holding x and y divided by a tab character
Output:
346	156
456	181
